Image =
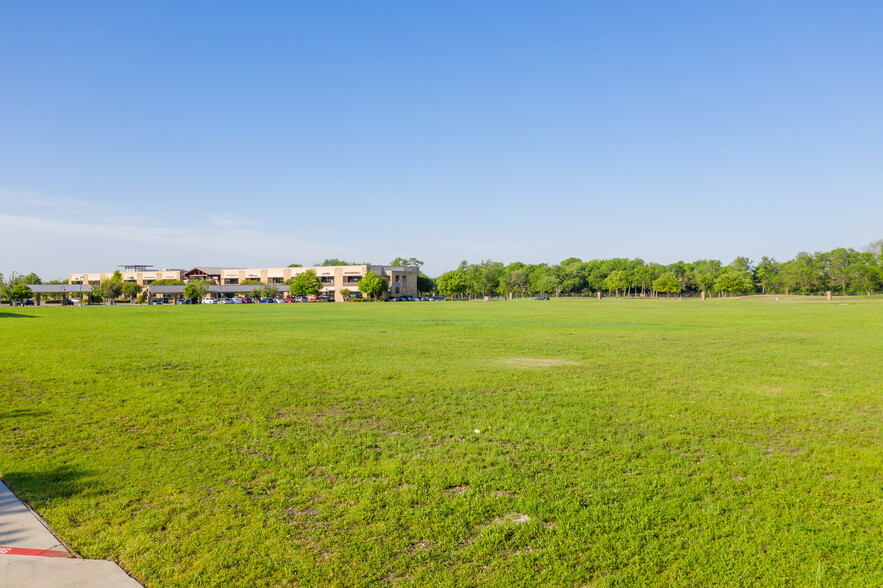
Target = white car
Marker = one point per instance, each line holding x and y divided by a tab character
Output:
209	300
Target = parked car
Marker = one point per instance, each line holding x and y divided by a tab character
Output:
542	297
209	300
183	301
247	300
27	302
67	302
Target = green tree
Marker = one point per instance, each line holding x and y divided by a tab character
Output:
372	285
132	290
407	262
517	280
112	288
868	273
333	261
616	281
345	294
841	264
265	291
196	289
667	283
18	292
490	272
734	281
768	274
294	265
305	284
425	284
545	283
452	283
804	272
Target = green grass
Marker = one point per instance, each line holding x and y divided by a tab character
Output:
724	443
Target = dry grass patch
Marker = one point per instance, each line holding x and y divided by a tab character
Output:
530	362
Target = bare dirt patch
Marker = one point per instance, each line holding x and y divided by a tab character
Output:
512	517
530	362
456	490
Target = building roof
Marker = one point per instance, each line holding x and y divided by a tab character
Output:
59	288
212	271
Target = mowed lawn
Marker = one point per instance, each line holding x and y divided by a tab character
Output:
621	443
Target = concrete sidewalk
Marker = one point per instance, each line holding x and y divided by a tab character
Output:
32	556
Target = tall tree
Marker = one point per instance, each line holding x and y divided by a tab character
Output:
734	281
305	284
875	248
333	261
132	290
452	283
841	267
668	283
767	274
196	289
372	285
616	281
112	288
425	284
407	262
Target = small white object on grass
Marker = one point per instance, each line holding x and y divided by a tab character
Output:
478	431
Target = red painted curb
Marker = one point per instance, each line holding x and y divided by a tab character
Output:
25	551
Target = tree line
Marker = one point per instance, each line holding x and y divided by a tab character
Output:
843	271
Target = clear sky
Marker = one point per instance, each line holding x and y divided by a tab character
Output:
261	134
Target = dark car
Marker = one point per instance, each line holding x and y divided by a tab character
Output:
542	297
67	302
27	302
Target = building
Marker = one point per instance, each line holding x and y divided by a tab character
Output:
140	274
402	280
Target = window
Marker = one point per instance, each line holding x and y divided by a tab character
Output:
353	279
327	279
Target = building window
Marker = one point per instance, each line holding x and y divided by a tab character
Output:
327	279
397	289
353	279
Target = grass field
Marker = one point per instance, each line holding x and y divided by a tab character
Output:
621	443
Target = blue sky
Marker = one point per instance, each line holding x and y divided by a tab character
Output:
262	134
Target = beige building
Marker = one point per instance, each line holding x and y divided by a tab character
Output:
140	274
402	280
